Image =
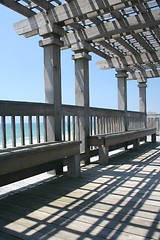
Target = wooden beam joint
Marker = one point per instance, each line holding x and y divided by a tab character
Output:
52	40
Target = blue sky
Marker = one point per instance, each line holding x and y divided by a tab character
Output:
21	73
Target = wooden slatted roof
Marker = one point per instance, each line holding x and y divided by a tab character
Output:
125	33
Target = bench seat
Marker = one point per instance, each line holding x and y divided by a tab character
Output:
112	141
20	162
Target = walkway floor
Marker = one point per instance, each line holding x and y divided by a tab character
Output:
118	201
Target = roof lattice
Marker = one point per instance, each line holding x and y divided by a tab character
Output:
125	33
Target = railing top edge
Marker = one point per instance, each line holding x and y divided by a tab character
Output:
105	109
72	110
72	106
136	112
9	108
15	108
114	110
9	102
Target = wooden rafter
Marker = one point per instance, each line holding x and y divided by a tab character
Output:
111	29
129	60
75	10
90	48
142	76
124	33
44	4
17	7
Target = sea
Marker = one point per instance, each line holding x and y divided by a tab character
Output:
18	134
9	137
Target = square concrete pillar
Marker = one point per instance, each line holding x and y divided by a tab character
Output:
142	99
52	80
81	59
122	93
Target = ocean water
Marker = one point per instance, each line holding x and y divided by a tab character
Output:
9	137
18	134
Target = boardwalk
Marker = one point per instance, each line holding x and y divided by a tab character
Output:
119	201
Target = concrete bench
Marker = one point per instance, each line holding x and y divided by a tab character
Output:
26	161
107	142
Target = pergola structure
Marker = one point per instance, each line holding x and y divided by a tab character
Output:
126	34
118	201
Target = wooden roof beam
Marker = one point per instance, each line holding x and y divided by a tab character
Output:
111	49
88	47
128	46
157	33
44	4
142	76
123	22
126	61
142	42
112	29
17	7
58	2
74	24
71	10
134	52
84	45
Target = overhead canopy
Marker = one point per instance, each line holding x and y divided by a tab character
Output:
125	33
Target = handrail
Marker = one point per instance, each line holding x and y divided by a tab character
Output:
16	108
32	117
26	114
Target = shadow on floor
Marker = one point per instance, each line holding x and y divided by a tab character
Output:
118	201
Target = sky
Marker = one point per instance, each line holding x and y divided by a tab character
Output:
21	73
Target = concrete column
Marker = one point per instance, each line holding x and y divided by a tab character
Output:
81	59
52	80
142	96
122	89
122	92
142	99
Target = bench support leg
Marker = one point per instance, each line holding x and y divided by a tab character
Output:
74	166
103	155
145	139
153	138
59	167
136	144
